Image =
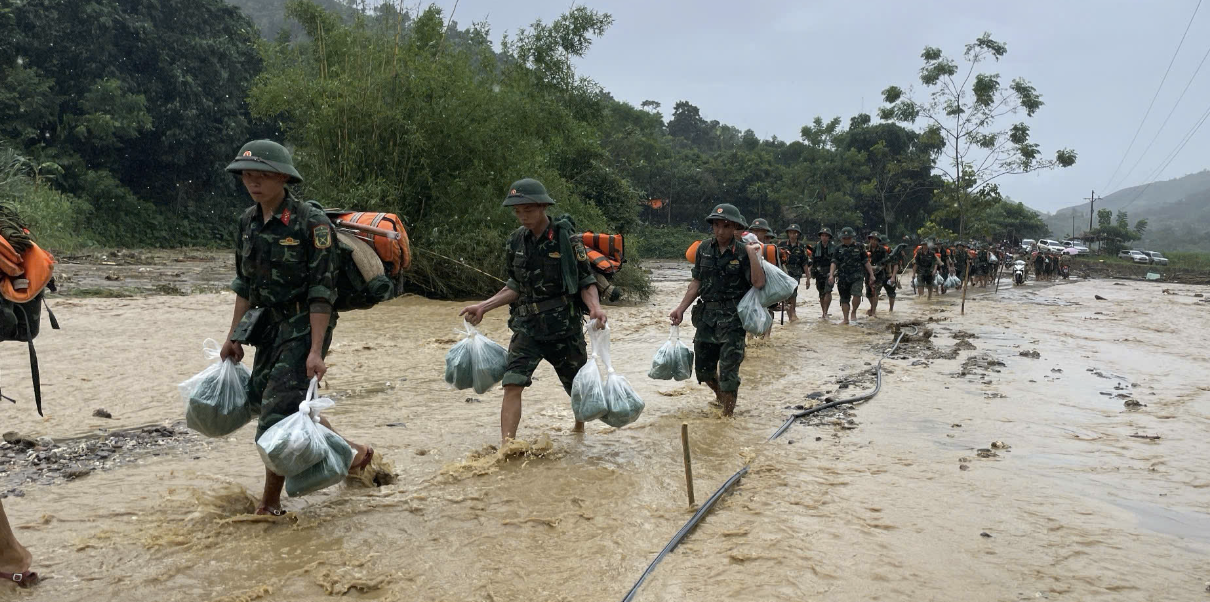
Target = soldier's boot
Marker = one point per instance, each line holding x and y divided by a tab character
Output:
713	384
727	399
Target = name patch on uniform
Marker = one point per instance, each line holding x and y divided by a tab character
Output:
556	255
289	242
323	236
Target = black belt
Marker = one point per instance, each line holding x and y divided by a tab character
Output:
729	304
538	307
285	311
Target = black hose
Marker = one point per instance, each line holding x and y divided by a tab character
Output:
709	503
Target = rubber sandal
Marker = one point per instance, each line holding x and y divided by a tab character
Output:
267	511
360	466
26	579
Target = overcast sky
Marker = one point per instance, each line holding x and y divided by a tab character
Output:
773	65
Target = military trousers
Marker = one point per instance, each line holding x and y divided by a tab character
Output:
566	355
279	379
718	349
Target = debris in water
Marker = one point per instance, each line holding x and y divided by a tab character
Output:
394	424
984	452
964	467
1100	298
101	413
995	395
985	534
1132	404
965	345
473	400
1147	437
1031	353
999	445
963	335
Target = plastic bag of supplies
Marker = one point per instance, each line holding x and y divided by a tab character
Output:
938	280
587	389
216	399
953	282
755	318
475	362
673	360
298	441
332	469
624	404
778	285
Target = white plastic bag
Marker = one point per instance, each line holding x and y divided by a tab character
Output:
752	313
625	405
338	457
475	362
673	360
938	280
778	285
216	399
587	389
953	282
298	441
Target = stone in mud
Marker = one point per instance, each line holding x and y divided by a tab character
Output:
1132	404
1031	353
1100	298
964	467
101	413
76	472
999	445
986	453
46	442
964	345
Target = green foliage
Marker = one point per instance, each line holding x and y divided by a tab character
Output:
665	242
967	126
58	221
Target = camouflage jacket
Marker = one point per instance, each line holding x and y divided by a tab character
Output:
850	262
821	259
534	271
725	274
880	258
924	259
799	257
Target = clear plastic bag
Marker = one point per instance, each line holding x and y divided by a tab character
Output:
475	362
587	389
673	360
338	457
216	399
778	285
625	405
938	280
298	441
752	313
953	282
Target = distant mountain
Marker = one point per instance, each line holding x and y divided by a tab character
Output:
1177	213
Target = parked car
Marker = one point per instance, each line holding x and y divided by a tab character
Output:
1135	256
1052	245
1074	244
1028	244
1156	257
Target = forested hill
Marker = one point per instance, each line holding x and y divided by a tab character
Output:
1177	213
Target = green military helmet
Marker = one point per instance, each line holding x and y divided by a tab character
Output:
847	232
527	191
823	231
265	155
760	224
727	212
875	235
794	228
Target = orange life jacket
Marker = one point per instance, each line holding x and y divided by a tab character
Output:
601	263
395	254
37	267
609	245
771	253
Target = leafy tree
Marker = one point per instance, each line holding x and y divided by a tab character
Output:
1104	217
964	113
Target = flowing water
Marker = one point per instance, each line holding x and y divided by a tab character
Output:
903	507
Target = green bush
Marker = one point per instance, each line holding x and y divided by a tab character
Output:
664	242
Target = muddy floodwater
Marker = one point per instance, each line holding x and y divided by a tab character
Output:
1079	472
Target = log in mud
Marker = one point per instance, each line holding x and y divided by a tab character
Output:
978	473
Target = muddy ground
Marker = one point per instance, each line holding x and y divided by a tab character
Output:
1045	445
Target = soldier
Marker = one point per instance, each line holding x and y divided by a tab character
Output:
1039	267
851	262
797	257
285	287
886	269
550	284
821	263
961	260
723	270
761	229
984	265
944	260
924	267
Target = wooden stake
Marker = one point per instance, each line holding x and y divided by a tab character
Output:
688	462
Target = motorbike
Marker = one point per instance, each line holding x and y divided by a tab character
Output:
1064	271
1019	272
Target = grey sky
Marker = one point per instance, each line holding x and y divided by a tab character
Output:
774	65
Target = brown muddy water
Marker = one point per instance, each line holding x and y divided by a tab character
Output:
1083	503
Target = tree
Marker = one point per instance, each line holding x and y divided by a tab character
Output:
900	166
965	114
1104	218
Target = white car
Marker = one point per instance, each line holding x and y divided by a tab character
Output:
1156	257
1028	244
1075	244
1052	245
1135	256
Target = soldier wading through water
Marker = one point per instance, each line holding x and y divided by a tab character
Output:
285	288
550	286
723	270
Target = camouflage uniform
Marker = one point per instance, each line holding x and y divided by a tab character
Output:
821	262
881	261
850	261
725	275
287	267
945	257
924	262
798	256
545	320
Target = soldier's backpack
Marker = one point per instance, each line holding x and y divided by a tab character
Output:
374	252
26	272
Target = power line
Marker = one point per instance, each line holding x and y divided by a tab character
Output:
1170	113
1157	94
1169	158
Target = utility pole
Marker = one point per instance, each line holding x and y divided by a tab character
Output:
1092	200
